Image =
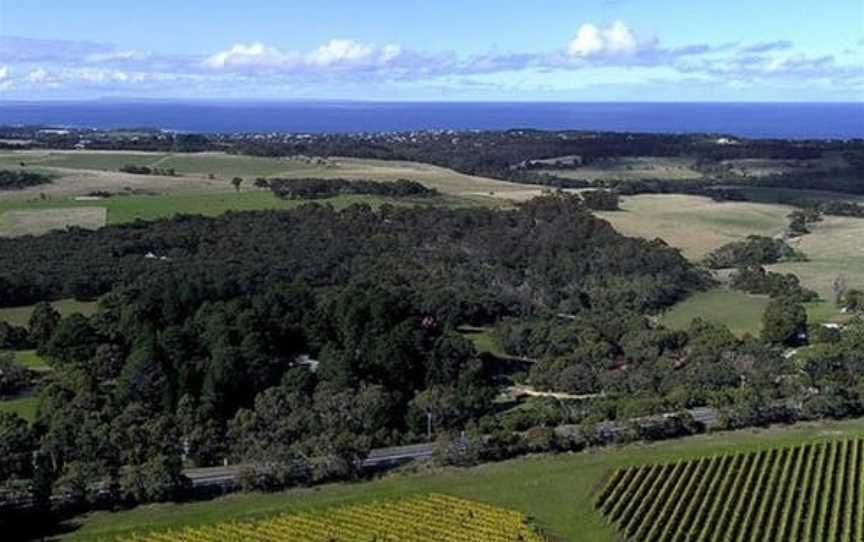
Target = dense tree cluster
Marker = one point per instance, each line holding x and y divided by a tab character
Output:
842	208
13	377
753	251
17	179
147	170
785	321
601	200
622	354
755	279
461	263
311	188
800	220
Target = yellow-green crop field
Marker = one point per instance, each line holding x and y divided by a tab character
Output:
431	518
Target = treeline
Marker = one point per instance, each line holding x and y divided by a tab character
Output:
842	208
754	250
146	170
312	188
18	179
754	279
492	153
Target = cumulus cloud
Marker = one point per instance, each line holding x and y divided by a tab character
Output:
615	40
38	76
252	54
341	51
333	54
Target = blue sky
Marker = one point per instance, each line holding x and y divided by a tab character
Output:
630	50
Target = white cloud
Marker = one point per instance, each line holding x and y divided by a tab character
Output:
6	81
38	76
253	54
615	40
335	53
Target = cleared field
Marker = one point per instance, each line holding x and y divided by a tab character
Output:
695	224
698	225
82	172
20	316
483	340
811	492
35	222
835	248
761	167
31	360
739	311
630	169
202	186
23	406
124	209
432	518
557	492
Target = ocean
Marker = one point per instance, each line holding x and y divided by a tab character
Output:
760	120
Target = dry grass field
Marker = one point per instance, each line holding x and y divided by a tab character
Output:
695	224
201	186
38	221
835	248
762	167
629	169
82	172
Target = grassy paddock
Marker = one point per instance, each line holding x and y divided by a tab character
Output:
739	311
23	406
483	339
630	169
31	360
695	224
835	248
38	221
20	316
556	491
200	187
196	168
125	209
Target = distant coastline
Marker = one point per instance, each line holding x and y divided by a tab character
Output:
756	120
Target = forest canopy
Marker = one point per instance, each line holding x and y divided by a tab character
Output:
468	263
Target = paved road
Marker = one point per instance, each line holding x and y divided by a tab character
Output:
217	476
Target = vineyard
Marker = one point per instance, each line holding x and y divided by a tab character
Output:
431	518
811	492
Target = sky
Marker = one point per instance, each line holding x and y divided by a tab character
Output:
441	50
